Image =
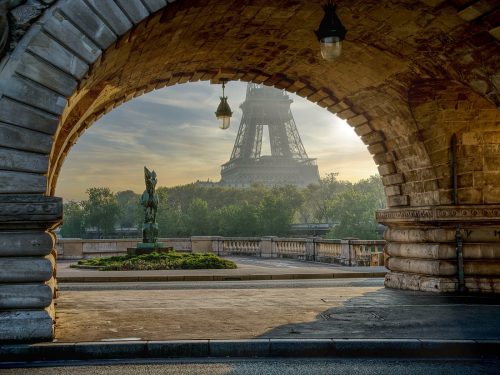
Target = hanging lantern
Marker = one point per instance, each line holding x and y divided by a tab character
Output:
331	33
224	112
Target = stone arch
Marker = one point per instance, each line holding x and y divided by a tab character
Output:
83	58
76	42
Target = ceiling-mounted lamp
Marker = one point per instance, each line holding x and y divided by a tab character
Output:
331	33
224	112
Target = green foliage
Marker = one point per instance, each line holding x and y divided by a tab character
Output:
191	210
160	261
238	220
354	210
101	210
131	212
73	220
198	218
276	212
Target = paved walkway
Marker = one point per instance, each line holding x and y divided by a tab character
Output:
294	309
248	269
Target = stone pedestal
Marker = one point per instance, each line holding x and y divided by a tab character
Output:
421	250
27	263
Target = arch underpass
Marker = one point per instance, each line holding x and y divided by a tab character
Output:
412	74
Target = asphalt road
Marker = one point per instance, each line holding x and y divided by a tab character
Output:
263	367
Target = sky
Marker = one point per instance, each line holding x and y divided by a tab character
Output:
174	131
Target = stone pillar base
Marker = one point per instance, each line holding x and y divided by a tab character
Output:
424	283
27	325
411	281
27	267
421	249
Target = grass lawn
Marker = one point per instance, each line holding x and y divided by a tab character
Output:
158	261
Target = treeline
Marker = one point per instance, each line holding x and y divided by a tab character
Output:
257	211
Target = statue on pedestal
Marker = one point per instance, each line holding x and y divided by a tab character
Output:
149	201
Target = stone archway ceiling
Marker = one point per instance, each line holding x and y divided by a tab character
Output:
390	46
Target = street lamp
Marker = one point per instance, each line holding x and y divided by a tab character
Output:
223	110
331	33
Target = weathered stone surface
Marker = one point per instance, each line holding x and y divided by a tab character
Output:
112	13
423	283
393	190
23	161
27	92
482	267
22	183
134	9
25	269
413	235
51	50
397	200
386	169
422	266
85	19
23	139
393	179
60	28
29	211
482	284
477	214
421	250
26	325
27	243
154	5
25	296
25	116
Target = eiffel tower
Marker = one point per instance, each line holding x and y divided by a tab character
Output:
288	163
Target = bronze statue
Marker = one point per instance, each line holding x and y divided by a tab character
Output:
149	201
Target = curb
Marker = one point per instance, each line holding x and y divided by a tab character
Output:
162	278
333	348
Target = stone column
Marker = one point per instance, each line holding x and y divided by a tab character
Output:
421	250
27	266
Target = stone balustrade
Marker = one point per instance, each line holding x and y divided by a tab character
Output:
346	252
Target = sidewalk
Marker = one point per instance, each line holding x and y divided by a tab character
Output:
355	317
336	318
248	269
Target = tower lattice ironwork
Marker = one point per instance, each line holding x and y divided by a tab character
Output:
288	162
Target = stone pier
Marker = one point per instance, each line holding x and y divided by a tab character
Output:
27	266
421	249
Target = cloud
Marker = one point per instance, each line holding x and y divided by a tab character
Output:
174	131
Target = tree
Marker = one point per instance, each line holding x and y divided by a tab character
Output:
197	218
238	220
73	220
101	210
275	215
131	214
354	209
316	206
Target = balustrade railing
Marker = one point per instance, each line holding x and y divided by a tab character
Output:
331	249
240	246
294	248
345	252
